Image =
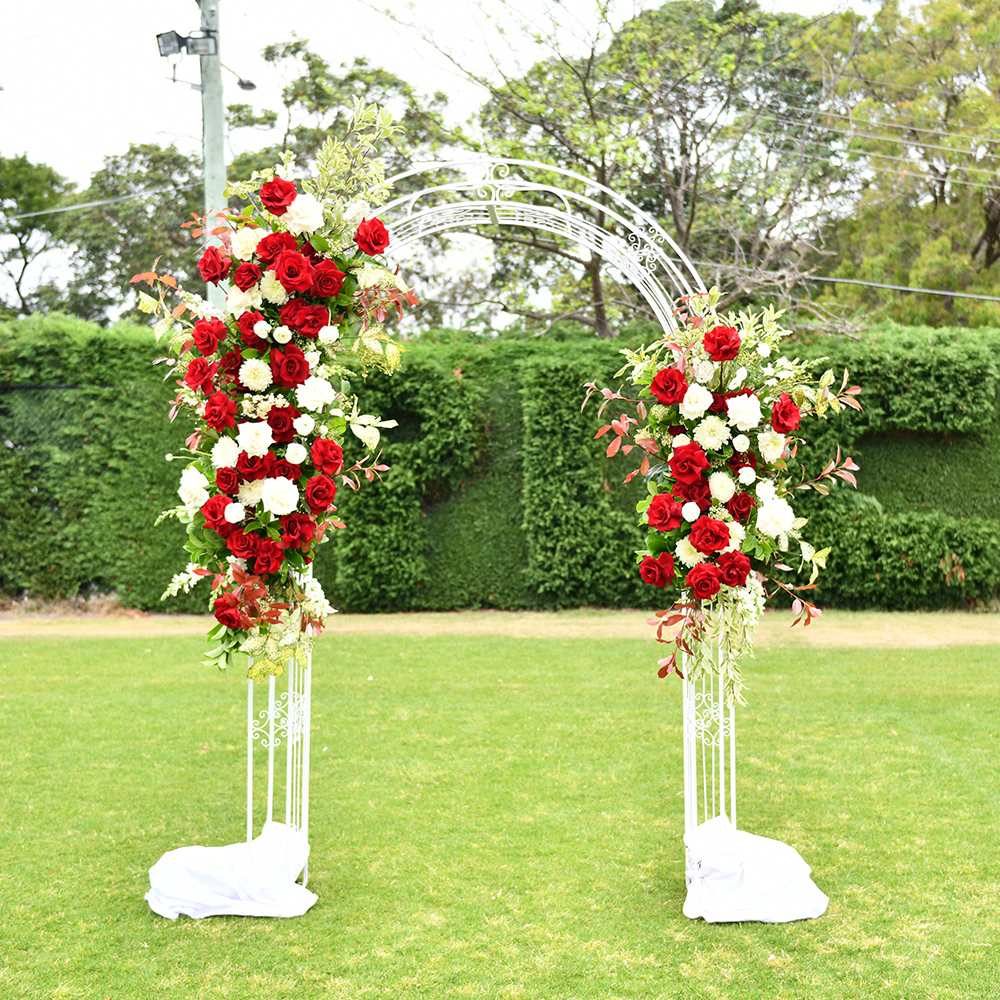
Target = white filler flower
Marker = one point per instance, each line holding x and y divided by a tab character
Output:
192	489
254	438
744	412
272	289
279	496
225	451
695	402
250	491
255	374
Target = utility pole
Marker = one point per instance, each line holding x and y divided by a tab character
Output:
213	128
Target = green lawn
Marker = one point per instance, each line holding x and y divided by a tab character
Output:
497	817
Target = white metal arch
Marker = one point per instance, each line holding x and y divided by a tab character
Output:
464	194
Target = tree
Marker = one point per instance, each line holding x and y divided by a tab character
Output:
28	229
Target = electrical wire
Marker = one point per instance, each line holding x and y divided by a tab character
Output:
104	201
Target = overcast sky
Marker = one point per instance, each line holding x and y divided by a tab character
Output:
83	80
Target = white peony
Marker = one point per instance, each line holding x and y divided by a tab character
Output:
250	491
747	474
239	302
765	490
279	496
688	554
225	451
775	517
691	511
315	393
255	374
296	453
272	289
254	438
304	424
721	486
741	443
245	242
695	402
304	215
771	445
192	489
712	433
234	513
744	412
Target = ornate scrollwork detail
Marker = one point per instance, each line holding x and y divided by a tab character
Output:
707	727
286	724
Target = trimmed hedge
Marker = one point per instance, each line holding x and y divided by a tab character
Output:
497	496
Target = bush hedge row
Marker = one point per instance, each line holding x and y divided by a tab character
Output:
497	495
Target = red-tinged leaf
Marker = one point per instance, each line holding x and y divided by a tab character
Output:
613	447
855	390
849	463
631	476
853	403
820	488
641	411
627	448
814	612
602	431
201	572
796	606
783	566
146	276
168	280
649	446
178	310
847	477
337	524
828	468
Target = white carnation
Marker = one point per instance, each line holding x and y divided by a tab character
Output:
775	517
704	370
245	242
765	490
296	453
225	451
255	374
304	424
712	433
254	438
691	511
315	393
771	445
688	554
721	486
744	412
746	474
304	215
737	533
250	491
272	289
192	489
695	402
239	302
741	443
234	513
279	496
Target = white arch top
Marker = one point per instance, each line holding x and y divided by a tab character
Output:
463	194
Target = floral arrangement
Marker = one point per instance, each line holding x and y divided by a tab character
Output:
717	410
267	379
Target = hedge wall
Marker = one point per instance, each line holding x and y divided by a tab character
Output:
498	496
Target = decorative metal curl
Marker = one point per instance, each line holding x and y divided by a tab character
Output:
262	730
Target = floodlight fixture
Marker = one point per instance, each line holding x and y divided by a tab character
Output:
170	43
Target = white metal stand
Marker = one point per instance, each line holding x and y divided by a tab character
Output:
284	721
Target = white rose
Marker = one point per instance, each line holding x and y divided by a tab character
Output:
312	359
234	513
721	486
255	374
261	328
688	554
282	335
304	424
279	496
744	412
272	289
747	474
695	402
679	441
254	438
691	511
741	443
764	350
225	451
304	215
192	488
295	453
775	517
771	445
315	393
245	242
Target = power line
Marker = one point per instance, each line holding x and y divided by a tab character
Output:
104	201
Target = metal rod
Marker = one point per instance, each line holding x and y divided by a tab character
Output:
270	739
306	744
250	758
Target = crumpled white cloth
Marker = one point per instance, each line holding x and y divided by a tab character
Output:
255	879
739	876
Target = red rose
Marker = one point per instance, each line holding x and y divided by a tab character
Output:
669	386
242	545
273	244
214	266
297	531
213	510
687	463
246	276
664	513
200	374
283	469
269	557
327	456
254	466
289	367
289	313
230	364
697	492
657	572
734	568
227	479
372	237
708	535
279	419
739	459
311	252
704	580
227	614
220	411
312	319
277	195
328	280
785	415
320	493
293	271
722	343
246	323
740	506
206	335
